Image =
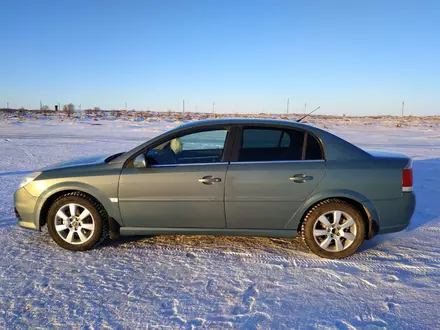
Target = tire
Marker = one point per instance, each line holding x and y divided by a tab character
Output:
81	231
333	239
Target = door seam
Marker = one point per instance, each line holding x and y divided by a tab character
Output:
224	194
305	201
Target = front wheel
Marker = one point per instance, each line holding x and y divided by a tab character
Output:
77	222
333	229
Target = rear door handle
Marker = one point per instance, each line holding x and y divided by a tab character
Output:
209	179
301	178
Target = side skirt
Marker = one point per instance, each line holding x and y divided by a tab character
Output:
131	231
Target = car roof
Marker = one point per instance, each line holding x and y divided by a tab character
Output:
243	121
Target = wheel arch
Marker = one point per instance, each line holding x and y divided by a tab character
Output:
362	204
49	196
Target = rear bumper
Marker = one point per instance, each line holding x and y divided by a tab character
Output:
24	204
395	214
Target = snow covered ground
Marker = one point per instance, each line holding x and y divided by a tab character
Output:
214	282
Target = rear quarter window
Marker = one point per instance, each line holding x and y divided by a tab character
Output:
313	150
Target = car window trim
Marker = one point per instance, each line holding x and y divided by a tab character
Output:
279	161
303	156
281	138
188	164
241	163
229	144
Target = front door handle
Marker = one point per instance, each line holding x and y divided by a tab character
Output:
301	178
209	179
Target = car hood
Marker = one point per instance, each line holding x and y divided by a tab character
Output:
87	161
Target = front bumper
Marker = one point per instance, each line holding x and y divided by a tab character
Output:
24	204
395	214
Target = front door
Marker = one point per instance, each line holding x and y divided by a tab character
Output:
271	178
182	186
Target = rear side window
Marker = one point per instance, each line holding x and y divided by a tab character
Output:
264	138
313	151
260	144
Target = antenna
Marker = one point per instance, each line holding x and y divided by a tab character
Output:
299	120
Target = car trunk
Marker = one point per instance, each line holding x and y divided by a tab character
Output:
399	159
398	167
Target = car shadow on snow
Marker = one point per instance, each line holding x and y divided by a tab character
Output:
215	244
7	222
15	173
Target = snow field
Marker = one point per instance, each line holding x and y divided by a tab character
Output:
171	282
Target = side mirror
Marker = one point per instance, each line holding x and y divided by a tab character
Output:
139	161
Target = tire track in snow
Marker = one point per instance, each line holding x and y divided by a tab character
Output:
22	147
358	262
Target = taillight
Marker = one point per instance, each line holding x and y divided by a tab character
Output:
407	178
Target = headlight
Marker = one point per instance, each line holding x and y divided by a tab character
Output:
29	178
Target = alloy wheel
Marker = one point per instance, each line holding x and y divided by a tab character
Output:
74	223
334	231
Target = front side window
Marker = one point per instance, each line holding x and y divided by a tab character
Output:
271	145
193	148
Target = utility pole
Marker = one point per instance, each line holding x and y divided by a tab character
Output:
403	107
305	107
213	106
125	106
183	106
288	100
41	105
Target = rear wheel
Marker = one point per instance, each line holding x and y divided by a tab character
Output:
333	229
77	222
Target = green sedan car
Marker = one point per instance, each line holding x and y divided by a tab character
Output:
244	177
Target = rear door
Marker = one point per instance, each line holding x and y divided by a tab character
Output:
271	174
